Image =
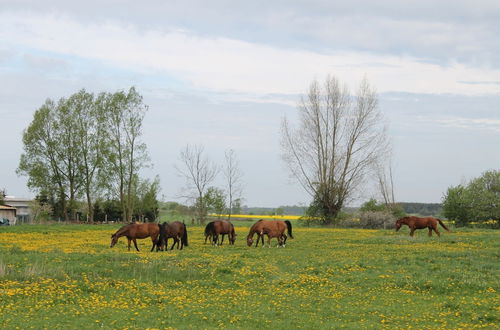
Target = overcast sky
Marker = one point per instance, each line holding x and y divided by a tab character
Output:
223	74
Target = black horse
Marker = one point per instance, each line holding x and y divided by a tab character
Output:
176	230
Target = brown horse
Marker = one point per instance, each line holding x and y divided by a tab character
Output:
271	228
420	223
176	230
137	230
220	227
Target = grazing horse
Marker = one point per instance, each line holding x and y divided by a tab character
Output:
136	230
176	230
420	223
220	227
271	228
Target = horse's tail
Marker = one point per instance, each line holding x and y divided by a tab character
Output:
184	238
163	234
442	224
289	227
233	234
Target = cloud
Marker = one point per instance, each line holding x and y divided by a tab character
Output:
229	65
471	124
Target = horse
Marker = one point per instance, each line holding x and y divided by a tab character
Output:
176	230
271	228
220	227
137	230
420	223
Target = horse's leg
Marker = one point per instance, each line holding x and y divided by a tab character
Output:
129	241
437	231
268	241
284	240
222	239
430	231
135	244
155	243
412	231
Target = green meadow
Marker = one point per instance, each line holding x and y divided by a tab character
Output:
66	276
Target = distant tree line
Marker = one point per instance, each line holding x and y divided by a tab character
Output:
82	155
433	209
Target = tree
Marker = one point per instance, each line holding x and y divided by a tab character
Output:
125	153
236	209
198	172
148	207
50	153
40	211
338	141
215	200
456	205
67	142
233	176
2	196
479	200
89	129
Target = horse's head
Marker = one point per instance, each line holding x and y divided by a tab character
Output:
249	241
114	239
398	225
232	239
400	222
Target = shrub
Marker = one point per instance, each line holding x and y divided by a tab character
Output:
376	220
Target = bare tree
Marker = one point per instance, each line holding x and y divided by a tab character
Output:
386	183
199	172
338	141
233	176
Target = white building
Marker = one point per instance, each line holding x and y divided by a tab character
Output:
23	211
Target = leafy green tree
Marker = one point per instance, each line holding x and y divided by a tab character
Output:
80	145
2	196
279	211
125	153
373	206
49	158
215	200
40	211
88	117
479	200
148	206
236	208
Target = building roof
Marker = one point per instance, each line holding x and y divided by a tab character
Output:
7	207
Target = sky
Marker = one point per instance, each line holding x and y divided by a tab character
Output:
224	74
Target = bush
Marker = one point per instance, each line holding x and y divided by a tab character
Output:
376	220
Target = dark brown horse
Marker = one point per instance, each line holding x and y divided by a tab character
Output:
271	228
220	227
420	223
176	230
137	230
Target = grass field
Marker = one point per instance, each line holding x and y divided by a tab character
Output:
62	276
